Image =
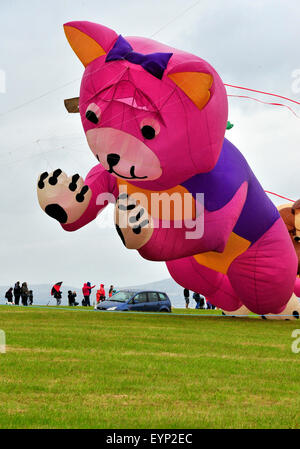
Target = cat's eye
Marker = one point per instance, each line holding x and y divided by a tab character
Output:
149	128
93	113
148	132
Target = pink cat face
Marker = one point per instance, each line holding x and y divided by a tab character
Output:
154	132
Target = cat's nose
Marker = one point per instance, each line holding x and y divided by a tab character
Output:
113	159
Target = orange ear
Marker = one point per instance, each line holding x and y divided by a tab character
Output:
85	47
195	85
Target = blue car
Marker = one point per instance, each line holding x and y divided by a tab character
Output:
138	301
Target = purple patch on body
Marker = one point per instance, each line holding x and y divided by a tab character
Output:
220	185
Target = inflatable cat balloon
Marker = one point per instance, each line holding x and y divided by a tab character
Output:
155	119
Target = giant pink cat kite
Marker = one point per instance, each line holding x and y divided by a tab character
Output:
155	119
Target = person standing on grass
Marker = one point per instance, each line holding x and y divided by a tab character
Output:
30	297
9	296
111	289
57	295
196	297
102	292
17	293
74	301
100	296
86	290
24	293
186	294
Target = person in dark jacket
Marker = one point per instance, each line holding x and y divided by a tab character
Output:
71	298
57	295
9	296
196	297
30	297
24	293
200	300
186	294
17	292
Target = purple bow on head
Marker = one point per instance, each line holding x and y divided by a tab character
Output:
154	63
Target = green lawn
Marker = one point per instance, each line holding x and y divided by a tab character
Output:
84	369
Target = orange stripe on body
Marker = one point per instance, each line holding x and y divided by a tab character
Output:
220	262
149	200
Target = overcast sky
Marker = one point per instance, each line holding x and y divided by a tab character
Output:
250	43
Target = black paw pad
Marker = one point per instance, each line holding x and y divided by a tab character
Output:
296	314
41	183
57	212
137	230
53	178
137	217
80	195
73	184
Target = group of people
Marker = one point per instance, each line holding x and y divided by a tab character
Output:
86	291
100	294
201	301
19	292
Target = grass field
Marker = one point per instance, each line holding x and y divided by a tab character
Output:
84	369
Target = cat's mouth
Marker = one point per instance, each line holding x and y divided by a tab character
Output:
133	176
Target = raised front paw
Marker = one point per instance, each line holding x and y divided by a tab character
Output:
61	197
133	223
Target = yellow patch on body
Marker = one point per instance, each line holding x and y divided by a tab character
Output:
220	262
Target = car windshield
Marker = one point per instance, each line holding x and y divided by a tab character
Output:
121	296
